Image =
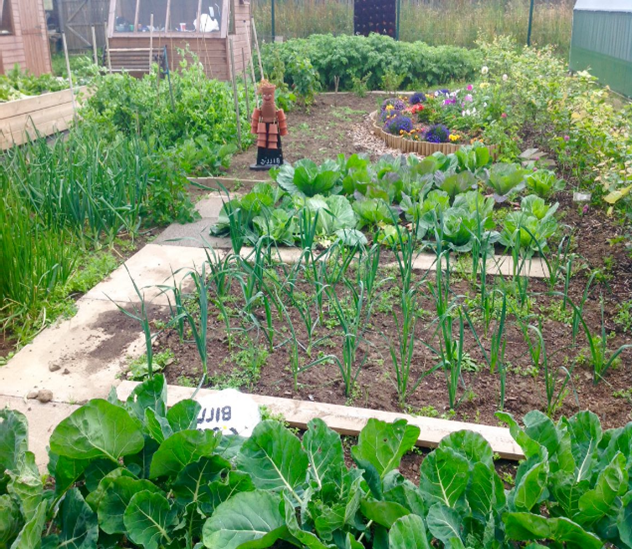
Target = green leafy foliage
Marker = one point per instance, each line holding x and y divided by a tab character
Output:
352	58
180	489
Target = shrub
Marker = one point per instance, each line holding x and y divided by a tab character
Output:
399	125
351	57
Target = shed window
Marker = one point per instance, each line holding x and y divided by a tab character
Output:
174	16
6	24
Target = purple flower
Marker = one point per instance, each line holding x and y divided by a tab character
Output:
470	87
418	97
585	209
397	104
398	125
449	101
468	98
437	134
566	138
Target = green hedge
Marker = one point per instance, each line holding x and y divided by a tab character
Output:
350	57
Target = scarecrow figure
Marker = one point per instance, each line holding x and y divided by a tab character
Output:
268	124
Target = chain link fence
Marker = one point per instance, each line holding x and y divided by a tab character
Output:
436	22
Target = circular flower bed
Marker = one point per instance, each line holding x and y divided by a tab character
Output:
442	120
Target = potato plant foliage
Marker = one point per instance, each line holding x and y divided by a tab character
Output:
136	474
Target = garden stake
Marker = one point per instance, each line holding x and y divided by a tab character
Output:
94	46
72	91
151	39
235	96
243	58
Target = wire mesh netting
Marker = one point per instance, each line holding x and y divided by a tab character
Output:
437	22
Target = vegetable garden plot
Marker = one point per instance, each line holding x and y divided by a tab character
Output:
137	473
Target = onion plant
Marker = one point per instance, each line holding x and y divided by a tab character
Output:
352	321
601	358
555	389
496	357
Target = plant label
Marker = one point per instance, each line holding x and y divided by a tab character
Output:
230	412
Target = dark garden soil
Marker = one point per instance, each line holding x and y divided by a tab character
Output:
599	240
322	131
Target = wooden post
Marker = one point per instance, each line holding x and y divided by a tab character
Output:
136	15
151	39
94	46
254	30
107	49
243	57
72	91
252	67
234	77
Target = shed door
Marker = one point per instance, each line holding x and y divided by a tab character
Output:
35	36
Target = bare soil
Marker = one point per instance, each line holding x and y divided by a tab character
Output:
328	129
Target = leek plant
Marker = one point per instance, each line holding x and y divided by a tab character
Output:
36	261
601	358
555	389
496	357
352	320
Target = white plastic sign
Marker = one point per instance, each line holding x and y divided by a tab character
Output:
229	411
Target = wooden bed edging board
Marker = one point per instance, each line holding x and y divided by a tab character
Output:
47	113
348	420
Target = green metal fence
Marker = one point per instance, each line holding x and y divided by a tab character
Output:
437	22
602	42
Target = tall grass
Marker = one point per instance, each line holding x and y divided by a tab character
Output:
436	22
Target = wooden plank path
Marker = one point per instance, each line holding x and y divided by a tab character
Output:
348	420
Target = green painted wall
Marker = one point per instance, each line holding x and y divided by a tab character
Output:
602	43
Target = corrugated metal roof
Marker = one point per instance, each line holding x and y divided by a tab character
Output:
604	5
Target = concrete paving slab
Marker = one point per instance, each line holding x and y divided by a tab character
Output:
150	267
78	358
498	264
210	206
191	235
42	418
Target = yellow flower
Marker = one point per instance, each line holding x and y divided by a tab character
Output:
453	137
484	85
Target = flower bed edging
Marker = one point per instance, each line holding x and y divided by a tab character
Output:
422	148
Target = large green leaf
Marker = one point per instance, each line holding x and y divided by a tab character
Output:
530	527
66	471
30	537
151	394
612	482
10	520
274	458
223	489
305	538
337	215
324	452
382	444
182	416
408	532
383	512
148	519
586	433
443	476
13	439
470	445
531	486
445	525
97	429
249	517
481	491
567	492
180	449
192	483
79	528
117	496
624	520
157	426
26	485
95	497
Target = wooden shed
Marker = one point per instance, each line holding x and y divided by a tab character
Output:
204	27
23	36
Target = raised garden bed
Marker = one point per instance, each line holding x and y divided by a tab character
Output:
42	115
